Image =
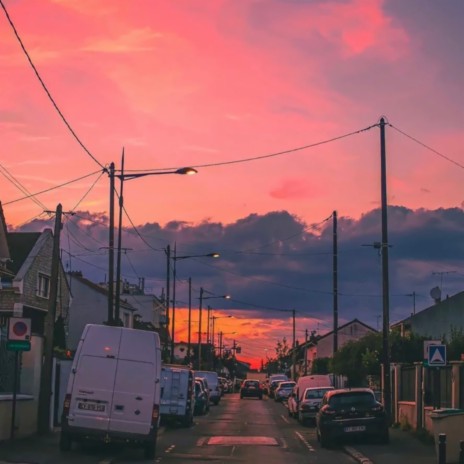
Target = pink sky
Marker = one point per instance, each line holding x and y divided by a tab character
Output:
199	82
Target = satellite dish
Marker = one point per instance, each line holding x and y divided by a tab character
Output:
435	293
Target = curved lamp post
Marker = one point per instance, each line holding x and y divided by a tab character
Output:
202	291
176	258
113	317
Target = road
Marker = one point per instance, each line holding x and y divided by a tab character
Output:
236	431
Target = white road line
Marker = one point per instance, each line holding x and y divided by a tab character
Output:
171	448
303	439
285	419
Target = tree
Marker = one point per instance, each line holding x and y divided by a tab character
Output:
282	359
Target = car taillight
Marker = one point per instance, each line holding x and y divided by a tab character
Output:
155	414
328	411
66	404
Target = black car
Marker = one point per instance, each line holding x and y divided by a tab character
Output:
251	388
350	412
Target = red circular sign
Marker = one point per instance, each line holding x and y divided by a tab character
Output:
20	329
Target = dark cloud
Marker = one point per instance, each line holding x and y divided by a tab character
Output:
274	263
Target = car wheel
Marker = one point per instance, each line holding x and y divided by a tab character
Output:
149	451
301	419
289	412
241	397
384	438
260	397
324	439
65	442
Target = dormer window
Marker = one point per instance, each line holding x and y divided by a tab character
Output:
43	286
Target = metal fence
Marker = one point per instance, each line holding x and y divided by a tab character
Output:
7	362
437	387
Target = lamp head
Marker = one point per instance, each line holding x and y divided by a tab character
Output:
186	171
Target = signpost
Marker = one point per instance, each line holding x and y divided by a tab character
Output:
436	357
19	339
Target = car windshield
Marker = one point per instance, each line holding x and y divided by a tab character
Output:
352	399
315	394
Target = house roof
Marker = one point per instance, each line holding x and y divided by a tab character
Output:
4	251
20	245
98	288
340	327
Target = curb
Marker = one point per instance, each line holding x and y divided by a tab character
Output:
355	454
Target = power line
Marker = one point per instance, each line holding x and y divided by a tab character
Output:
88	191
426	146
45	87
4	171
32	195
269	155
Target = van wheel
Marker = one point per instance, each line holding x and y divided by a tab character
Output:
324	439
149	451
65	442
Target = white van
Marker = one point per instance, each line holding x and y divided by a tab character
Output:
213	384
113	392
177	394
304	382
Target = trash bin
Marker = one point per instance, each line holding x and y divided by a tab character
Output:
450	422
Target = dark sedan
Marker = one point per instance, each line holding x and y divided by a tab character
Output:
251	389
350	412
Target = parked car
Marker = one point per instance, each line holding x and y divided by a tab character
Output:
224	384
204	386
350	412
304	382
283	391
116	371
177	394
272	387
213	384
310	403
251	389
201	399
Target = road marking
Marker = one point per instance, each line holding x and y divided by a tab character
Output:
306	442
285	419
354	453
242	440
170	448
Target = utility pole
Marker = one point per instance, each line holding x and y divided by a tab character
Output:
306	353
385	277
47	366
199	328
168	285
294	346
189	319
117	319
335	284
173	312
111	250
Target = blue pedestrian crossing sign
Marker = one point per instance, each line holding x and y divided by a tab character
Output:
436	355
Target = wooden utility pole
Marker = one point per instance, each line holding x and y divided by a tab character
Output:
117	319
47	366
189	338
199	328
111	251
168	291
335	284
385	279
306	353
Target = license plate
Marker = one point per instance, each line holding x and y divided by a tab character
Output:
357	428
91	407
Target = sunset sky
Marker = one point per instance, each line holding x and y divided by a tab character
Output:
219	85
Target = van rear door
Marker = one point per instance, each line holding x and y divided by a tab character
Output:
135	383
93	379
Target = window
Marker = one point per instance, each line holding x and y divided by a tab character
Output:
43	287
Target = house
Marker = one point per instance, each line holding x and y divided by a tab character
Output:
25	273
322	346
436	321
90	306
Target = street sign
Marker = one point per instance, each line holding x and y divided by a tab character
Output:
436	355
18	345
19	334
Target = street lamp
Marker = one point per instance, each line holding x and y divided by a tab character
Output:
202	291
176	258
113	318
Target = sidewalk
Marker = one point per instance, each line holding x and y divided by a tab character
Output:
404	448
30	449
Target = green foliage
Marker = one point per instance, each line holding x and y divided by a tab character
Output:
282	359
321	366
455	346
